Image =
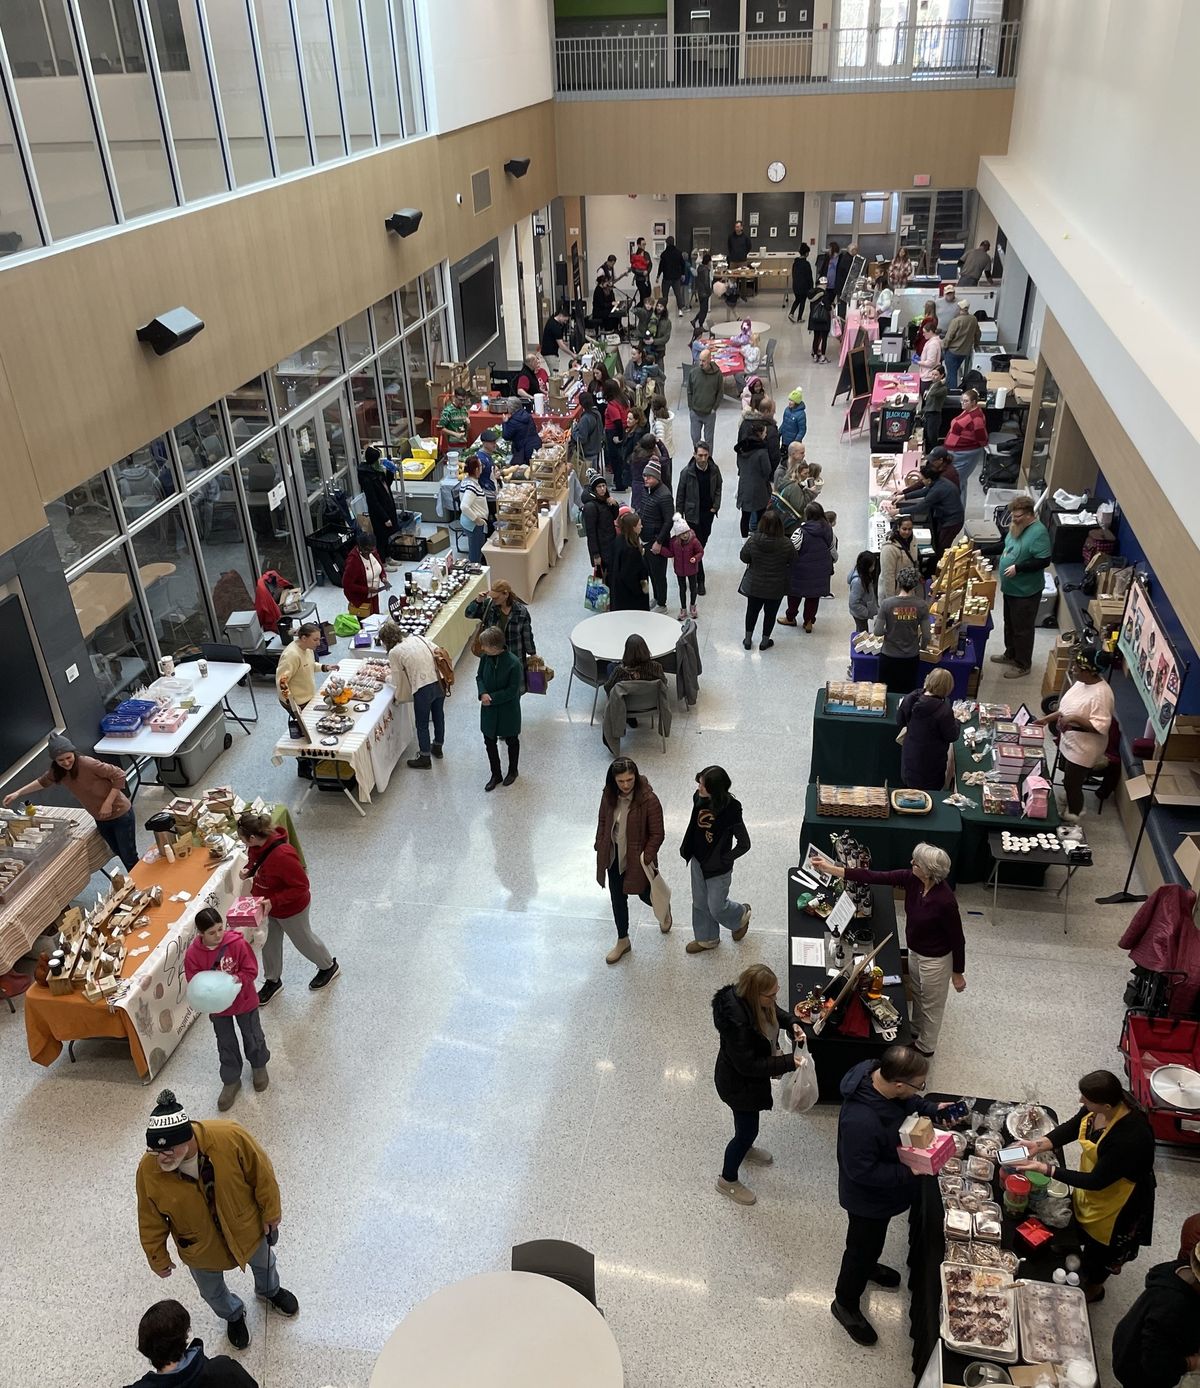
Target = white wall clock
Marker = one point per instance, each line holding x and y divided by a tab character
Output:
776	172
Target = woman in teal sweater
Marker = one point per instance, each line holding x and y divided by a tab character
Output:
499	681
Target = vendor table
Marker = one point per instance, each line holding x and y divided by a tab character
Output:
978	636
521	568
757	328
850	749
1039	856
927	1248
478	420
501	1330
604	635
373	747
152	1012
960	664
451	628
32	910
974	856
729	360
889	383
834	1054
891	841
854	321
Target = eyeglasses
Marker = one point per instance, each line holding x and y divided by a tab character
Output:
916	1088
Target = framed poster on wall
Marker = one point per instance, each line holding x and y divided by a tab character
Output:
660	228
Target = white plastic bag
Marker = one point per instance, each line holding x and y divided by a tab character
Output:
660	896
798	1092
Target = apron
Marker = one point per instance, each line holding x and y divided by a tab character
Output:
1097	1210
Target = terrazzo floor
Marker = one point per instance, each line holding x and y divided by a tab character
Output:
479	1076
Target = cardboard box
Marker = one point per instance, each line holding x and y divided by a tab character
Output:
438	540
1187	856
1179	783
1105	611
451	373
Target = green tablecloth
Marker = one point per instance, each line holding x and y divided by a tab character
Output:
851	750
890	840
975	858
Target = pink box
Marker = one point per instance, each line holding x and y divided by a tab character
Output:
169	720
247	912
928	1161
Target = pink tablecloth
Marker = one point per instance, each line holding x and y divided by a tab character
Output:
854	321
889	383
729	359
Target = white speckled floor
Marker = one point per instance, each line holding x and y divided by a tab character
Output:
478	1076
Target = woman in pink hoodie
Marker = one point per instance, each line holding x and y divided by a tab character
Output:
687	552
220	948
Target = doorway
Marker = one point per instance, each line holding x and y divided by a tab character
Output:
874	39
322	443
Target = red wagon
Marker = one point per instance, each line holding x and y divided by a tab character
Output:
1148	1042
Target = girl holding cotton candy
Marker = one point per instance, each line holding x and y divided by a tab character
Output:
221	968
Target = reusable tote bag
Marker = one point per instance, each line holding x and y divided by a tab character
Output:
660	896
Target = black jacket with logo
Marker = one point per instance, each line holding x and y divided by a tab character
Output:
717	840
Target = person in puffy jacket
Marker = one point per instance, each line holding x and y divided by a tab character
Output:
698	498
600	514
928	714
687	557
1157	1340
762	412
749	1019
795	420
629	833
521	432
165	1338
899	551
811	566
767	555
587	432
873	1184
754	475
864	589
716	837
219	949
277	874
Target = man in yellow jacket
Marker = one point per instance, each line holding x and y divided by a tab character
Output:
212	1188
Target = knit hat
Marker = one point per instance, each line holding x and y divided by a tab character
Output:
58	745
679	526
488	436
652	470
169	1126
596	479
796	397
590	476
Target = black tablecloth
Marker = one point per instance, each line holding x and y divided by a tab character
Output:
832	1053
927	1247
850	749
890	840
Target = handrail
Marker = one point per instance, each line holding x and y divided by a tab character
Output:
960	53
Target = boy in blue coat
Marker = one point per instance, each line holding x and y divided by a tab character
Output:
795	420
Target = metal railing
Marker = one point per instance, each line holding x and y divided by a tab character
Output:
961	54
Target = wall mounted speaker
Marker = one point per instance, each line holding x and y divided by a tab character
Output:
404	222
170	330
517	167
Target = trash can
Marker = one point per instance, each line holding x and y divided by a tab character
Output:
201	748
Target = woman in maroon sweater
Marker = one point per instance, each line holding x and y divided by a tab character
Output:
277	874
932	930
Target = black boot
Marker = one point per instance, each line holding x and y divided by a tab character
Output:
420	762
494	762
514	759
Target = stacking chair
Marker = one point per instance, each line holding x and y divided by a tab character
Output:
586	671
767	366
641	697
566	1262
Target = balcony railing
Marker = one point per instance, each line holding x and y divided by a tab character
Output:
962	54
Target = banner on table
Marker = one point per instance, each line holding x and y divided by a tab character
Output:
1151	660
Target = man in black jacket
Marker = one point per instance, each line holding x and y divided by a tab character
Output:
657	513
1158	1339
942	500
738	245
698	499
164	1337
671	271
802	284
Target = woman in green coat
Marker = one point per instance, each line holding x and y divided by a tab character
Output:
499	681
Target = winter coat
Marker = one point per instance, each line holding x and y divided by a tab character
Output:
277	874
517	626
686	553
670	264
754	476
942	499
746	1062
766	559
354	579
812	563
657	511
246	1195
802	279
588	434
872	1182
967	431
627	573
503	677
793	503
643	837
1155	1337
616	712
688	666
770	439
864	601
687	496
894	556
520	430
1163	938
232	956
794	426
717	840
599	524
705	388
932	730
659	333
197	1370
819	317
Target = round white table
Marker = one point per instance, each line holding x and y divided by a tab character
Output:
501	1330
757	327
605	634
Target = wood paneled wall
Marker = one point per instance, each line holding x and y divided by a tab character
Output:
1170	547
267	271
827	141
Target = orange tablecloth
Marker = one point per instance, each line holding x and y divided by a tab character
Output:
52	1019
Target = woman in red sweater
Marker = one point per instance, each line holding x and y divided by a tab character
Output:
362	578
967	439
278	876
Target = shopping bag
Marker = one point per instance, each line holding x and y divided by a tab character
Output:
798	1091
660	896
537	675
595	595
835	326
346	624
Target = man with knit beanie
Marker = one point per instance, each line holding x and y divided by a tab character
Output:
212	1188
656	507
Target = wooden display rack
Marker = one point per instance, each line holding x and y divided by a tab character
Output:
948	599
93	941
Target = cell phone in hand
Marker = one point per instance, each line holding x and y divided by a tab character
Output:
1009	1156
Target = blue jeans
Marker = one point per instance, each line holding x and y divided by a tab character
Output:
745	1130
227	1304
953	362
121	836
475	539
966	462
429	702
711	906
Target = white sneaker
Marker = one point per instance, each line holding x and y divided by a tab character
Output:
736	1191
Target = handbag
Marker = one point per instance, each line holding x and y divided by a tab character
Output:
443	665
798	1092
537	675
660	895
596	595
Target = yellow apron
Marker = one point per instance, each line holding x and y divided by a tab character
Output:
1097	1210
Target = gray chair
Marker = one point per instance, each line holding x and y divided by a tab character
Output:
767	365
566	1262
586	671
641	697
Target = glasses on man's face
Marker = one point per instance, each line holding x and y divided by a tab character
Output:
916	1088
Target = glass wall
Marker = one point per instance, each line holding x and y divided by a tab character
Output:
231	93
